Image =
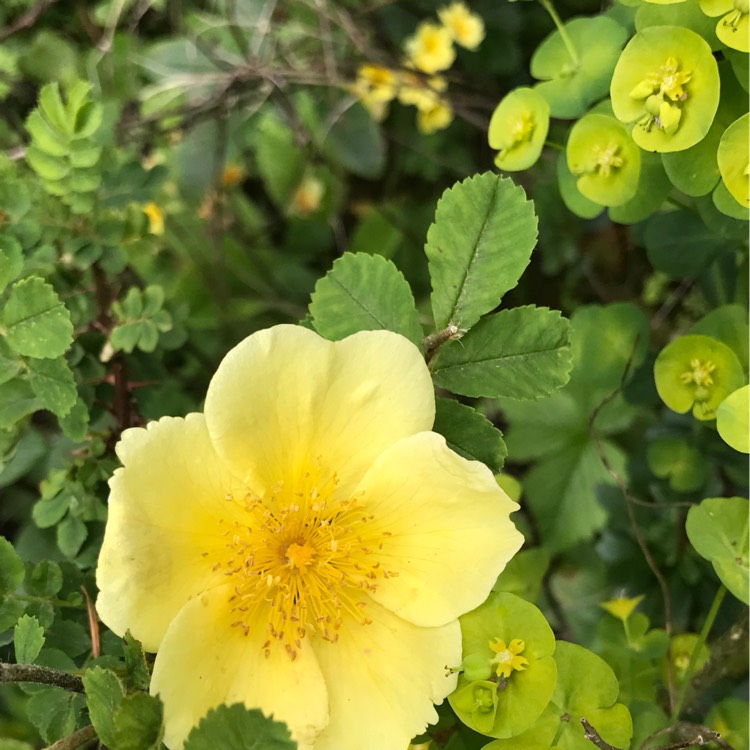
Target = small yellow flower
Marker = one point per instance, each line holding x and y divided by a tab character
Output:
622	607
466	28
508	657
431	48
419	92
437	117
307	196
155	218
306	545
232	175
375	86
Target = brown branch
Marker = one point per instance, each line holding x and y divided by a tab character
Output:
590	734
27	20
81	737
39	674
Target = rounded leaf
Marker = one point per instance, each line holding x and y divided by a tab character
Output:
732	421
733	157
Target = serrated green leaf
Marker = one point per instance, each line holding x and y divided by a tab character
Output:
28	639
71	534
53	382
14	198
88	119
135	661
53	712
717	529
10	364
84	180
44	579
364	293
11	260
38	324
85	155
104	691
76	95
48	167
236	727
470	434
522	353
478	246
17	401
12	571
138	723
46	138
10	610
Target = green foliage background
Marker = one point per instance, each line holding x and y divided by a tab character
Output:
541	318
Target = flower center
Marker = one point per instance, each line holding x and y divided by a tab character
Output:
508	657
700	373
309	563
663	93
607	158
519	132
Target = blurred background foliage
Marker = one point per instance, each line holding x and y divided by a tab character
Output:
175	174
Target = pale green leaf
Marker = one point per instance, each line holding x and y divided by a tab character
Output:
522	353
478	247
364	293
53	382
28	639
37	323
104	691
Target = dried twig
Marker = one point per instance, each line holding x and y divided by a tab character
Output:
79	738
592	735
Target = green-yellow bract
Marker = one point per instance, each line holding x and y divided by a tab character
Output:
698	373
732	28
666	83
306	545
733	158
604	158
518	129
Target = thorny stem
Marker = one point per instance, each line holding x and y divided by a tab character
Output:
707	625
547	5
434	341
39	674
703	736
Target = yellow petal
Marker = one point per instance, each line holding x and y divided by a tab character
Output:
164	511
285	401
383	679
204	661
449	526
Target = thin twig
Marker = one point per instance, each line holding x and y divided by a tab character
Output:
590	734
81	737
39	674
27	20
630	508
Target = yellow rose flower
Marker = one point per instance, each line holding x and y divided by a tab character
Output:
306	545
431	48
466	28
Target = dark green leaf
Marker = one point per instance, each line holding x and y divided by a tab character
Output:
522	353
71	534
355	141
364	293
138	723
470	434
135	661
53	712
17	400
44	579
238	728
11	260
478	246
12	570
104	691
53	382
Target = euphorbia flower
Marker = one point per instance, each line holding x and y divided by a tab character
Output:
666	83
733	28
306	545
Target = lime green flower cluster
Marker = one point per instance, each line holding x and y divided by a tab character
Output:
428	52
655	113
520	686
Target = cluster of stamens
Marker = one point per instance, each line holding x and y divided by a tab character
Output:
311	559
663	93
520	132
